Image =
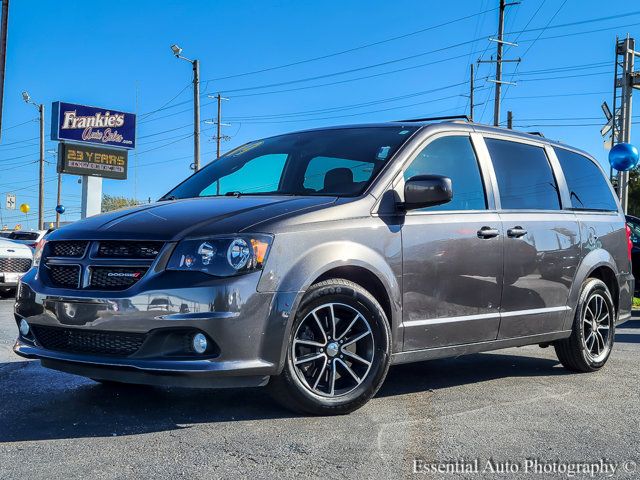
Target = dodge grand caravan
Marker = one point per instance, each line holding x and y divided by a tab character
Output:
313	261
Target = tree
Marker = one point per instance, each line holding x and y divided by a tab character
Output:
114	202
634	193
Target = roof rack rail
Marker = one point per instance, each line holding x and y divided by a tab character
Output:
432	119
539	134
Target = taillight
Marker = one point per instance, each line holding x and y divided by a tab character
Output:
37	255
629	242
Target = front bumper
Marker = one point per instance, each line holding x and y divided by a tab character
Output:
246	328
9	279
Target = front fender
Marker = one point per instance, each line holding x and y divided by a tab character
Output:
291	283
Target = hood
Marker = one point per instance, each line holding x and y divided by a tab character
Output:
12	249
174	220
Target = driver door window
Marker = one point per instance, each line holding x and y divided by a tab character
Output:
453	157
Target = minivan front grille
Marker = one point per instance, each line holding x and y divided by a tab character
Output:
115	278
15	265
97	265
118	249
68	249
64	276
121	344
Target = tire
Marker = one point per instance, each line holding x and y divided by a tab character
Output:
584	351
7	293
352	353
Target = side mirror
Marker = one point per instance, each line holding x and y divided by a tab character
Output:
427	191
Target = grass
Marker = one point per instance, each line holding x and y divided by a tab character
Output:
636	302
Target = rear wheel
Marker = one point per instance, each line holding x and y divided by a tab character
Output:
589	346
338	353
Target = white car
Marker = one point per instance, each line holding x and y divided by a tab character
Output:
27	237
15	261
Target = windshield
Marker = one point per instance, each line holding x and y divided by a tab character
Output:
336	162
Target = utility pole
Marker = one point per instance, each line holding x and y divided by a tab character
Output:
471	88
219	125
41	189
510	120
500	60
496	106
621	120
58	200
4	24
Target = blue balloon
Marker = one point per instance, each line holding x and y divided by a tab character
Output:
623	157
60	209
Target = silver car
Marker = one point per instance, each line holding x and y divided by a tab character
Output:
311	262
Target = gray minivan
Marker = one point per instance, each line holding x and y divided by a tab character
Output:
313	261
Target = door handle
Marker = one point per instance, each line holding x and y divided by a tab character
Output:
516	232
488	232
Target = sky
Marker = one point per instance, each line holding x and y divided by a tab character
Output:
290	65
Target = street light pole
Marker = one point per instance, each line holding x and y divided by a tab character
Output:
41	189
196	115
177	51
27	99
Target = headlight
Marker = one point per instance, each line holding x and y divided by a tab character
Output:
222	256
37	255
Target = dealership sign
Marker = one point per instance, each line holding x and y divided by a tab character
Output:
93	161
98	126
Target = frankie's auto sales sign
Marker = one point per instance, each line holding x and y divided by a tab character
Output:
97	126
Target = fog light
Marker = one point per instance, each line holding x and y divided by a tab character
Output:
199	343
24	328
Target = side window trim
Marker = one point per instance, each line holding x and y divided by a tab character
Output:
484	174
561	181
488	173
552	166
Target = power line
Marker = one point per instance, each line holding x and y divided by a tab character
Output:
353	70
580	22
353	49
164	105
352	106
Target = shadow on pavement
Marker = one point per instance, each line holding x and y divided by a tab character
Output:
450	372
40	404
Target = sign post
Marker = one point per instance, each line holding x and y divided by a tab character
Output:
94	144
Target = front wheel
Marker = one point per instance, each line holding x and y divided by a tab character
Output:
338	352
591	340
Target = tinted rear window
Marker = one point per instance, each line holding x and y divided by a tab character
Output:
588	188
24	236
525	178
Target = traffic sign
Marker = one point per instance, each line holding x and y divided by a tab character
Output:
11	201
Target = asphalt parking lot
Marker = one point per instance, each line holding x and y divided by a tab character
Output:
505	406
